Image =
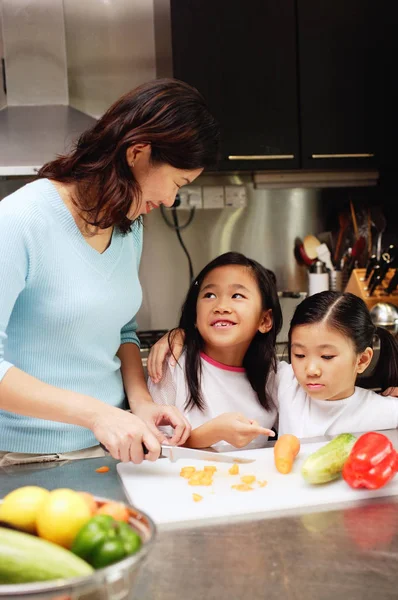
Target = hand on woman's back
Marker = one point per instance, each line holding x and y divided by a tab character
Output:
161	350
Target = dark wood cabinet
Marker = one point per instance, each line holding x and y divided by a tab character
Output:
338	62
293	83
241	55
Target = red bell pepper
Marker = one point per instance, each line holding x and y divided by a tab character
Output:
372	463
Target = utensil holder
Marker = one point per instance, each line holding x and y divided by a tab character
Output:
357	287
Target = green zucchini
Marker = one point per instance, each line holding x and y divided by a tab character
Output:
326	464
26	558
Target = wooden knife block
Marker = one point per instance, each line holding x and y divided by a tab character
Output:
356	286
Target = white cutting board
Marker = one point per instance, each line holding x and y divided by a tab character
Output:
158	489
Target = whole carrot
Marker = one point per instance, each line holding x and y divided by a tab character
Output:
285	451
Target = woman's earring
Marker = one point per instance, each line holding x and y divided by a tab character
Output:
132	164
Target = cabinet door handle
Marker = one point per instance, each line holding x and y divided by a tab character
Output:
260	156
364	155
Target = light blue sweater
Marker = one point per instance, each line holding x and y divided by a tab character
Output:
65	309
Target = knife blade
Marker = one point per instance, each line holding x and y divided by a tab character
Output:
174	453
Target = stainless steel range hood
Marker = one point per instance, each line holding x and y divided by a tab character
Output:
32	135
66	62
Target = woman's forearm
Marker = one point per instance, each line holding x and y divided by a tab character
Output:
204	436
25	395
133	375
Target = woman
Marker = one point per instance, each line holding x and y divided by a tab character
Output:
70	245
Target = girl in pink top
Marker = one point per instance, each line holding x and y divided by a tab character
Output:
230	319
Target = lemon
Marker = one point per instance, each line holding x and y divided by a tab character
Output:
61	516
21	506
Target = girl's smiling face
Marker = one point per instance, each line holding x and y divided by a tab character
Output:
229	313
325	362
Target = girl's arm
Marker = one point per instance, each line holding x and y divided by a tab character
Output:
161	350
233	428
141	402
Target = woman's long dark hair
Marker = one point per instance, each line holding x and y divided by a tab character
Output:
349	315
260	357
169	115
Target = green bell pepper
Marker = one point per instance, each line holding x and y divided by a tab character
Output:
103	541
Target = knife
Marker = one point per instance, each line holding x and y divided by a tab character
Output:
174	453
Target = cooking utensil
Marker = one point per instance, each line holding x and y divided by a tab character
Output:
311	243
168	497
111	583
357	250
380	223
175	453
323	254
343	223
384	314
369	267
300	254
354	219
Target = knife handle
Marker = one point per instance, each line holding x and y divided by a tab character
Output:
369	268
144	448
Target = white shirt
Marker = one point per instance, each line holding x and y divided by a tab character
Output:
224	390
304	417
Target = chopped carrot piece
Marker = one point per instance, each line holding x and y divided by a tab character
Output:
201	478
242	487
248	479
262	483
197	497
102	470
210	469
186	472
234	470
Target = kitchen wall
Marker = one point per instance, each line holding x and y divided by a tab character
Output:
264	230
110	48
34	52
2	93
89	52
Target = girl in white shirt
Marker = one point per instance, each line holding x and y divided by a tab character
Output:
330	344
230	320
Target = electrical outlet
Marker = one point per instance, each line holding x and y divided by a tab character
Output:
195	196
236	196
184	200
190	196
213	196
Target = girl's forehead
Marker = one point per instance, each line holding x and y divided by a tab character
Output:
229	274
318	334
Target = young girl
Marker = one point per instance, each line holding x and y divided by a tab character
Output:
330	344
230	320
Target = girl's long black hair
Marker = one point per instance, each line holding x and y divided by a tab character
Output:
349	314
260	357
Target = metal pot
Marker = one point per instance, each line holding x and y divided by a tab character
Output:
115	582
385	315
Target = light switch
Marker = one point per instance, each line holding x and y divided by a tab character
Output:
213	196
236	196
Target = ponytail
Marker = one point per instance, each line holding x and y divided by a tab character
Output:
386	370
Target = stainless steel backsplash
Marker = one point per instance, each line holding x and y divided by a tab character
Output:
264	230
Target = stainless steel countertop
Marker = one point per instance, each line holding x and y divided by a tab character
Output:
349	552
32	135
